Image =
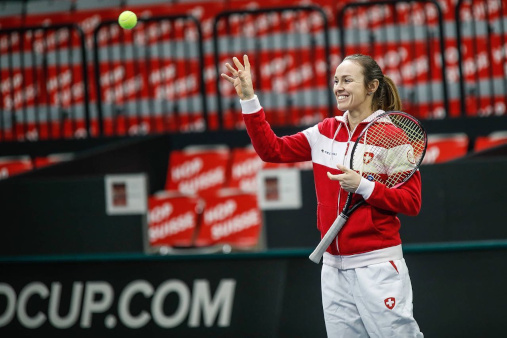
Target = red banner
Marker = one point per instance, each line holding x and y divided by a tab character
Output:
230	217
172	219
198	170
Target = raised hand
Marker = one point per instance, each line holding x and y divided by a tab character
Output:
241	78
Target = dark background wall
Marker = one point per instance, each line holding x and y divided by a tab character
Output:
54	216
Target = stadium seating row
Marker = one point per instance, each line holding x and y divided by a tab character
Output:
413	62
14	165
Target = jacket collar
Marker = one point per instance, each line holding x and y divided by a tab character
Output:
345	117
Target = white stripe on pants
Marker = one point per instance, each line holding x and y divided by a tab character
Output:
354	301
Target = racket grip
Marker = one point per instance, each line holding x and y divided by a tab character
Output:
330	235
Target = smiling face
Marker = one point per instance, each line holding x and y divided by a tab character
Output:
350	90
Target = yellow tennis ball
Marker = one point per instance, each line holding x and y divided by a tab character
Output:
127	19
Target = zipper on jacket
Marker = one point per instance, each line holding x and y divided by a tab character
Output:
340	191
346	151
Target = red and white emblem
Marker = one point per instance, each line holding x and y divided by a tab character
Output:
390	302
367	157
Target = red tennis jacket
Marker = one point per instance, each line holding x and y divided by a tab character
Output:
371	234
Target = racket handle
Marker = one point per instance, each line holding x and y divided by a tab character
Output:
328	238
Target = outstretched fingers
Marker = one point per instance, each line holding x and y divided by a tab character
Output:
233	71
228	78
246	62
237	63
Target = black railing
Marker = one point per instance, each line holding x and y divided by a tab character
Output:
403	37
289	51
43	83
150	79
481	35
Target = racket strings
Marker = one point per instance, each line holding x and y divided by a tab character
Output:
389	150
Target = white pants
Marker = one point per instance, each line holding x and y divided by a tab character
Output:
371	301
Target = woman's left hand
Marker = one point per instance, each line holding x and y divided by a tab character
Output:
349	179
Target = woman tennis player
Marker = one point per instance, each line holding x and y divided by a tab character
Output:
366	288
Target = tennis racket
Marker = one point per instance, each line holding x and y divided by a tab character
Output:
389	150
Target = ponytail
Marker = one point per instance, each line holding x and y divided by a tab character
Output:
389	97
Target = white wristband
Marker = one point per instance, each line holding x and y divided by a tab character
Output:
250	106
365	188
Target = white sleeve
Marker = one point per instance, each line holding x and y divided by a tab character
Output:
365	188
250	106
312	134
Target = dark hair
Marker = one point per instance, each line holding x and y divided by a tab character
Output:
386	97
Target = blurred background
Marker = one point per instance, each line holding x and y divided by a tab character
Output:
132	202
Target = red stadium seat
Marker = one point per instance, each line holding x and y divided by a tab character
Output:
198	170
492	140
43	161
13	165
232	217
445	147
172	219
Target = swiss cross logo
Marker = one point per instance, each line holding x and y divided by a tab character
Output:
390	302
367	157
